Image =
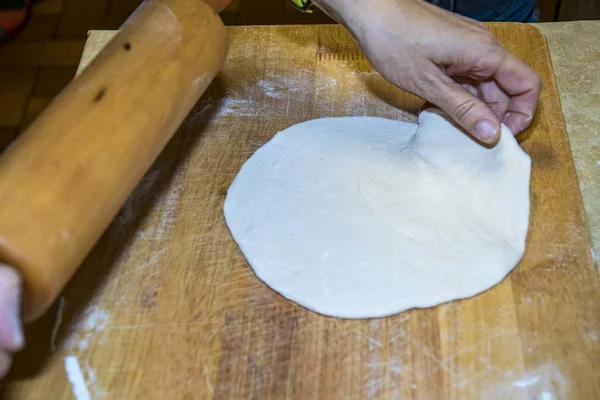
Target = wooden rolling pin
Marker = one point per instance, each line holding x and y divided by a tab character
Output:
67	176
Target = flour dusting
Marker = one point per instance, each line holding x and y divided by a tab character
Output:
75	375
286	91
544	382
94	321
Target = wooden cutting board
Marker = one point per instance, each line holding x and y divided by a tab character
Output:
167	307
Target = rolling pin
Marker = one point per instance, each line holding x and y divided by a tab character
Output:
66	177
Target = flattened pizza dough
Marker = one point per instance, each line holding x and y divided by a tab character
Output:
361	217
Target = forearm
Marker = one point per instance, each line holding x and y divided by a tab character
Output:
346	12
361	16
335	8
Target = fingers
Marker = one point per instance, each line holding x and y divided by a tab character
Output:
464	107
517	87
494	97
489	92
11	333
523	86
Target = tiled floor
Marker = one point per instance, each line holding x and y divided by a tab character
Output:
43	58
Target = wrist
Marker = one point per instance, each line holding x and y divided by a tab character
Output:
358	15
343	11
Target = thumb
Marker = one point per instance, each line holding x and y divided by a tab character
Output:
465	108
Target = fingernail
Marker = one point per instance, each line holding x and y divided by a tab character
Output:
517	122
486	130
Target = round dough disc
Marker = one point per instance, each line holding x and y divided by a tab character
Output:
360	217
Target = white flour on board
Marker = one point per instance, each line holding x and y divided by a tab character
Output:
93	382
75	375
241	101
94	321
544	382
81	386
390	375
148	248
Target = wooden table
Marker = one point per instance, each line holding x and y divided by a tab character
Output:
166	307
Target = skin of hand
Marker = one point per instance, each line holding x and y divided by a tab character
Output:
449	60
11	333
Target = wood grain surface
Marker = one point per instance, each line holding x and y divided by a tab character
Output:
167	307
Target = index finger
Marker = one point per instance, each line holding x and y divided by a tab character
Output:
523	87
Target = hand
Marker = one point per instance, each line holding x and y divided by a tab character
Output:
449	60
11	335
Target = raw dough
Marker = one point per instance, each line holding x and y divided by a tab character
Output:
361	217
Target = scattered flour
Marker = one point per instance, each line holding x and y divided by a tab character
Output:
79	384
75	375
94	320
